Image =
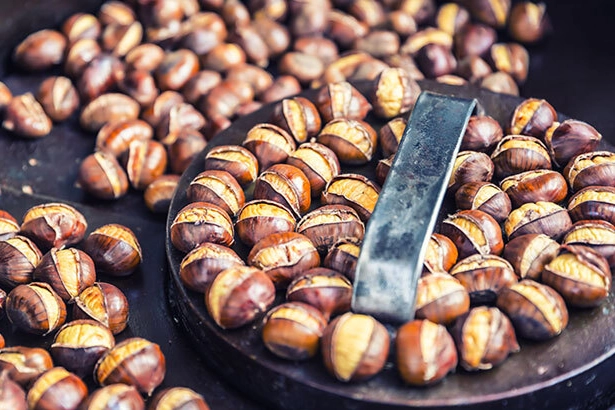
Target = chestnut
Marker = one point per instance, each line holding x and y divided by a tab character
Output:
474	69
201	265
473	231
200	222
118	394
475	39
119	39
102	176
383	168
285	184
41	50
342	257
161	107
24	364
116	137
593	202
114	248
344	29
452	17
176	68
529	253
8	225
144	162
425	352
580	274
353	141
59	98
144	57
500	82
532	117
484	276
481	134
512	59
269	143
79	55
441	298
69	271
341	100
12	395
234	159
25	117
436	60
108	108
238	295
35	308
394	93
429	36
19	256
325	289
299	116
293	330
158	194
484	337
79	344
57	388
390	135
116	12
528	22
441	254
180	118
318	162
596	234
534	186
283	256
571	138
134	361
329	224
537	311
104	303
259	218
519	153
590	168
353	190
219	188
177	398
100	75
538	217
354	347
470	166
486	197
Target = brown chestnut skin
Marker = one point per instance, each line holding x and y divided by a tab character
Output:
482	133
486	197
390	134
593	202
103	73
470	166
519	153
12	395
510	58
528	254
484	338
325	289
590	168
484	276
107	108
35	308
158	194
425	352
176	68
528	22
580	274
102	176
341	100
236	160
144	162
115	249
285	184
571	138
284	256
342	257
441	298
293	330
500	82
200	222
394	93
79	344
135	361
108	397
177	398
534	186
25	117
269	143
532	117
318	162
8	225
116	137
69	271
353	141
238	295
473	231
57	388
201	265
19	256
299	116
596	234
537	311
441	254
41	50
104	303
329	224
217	187
538	217
54	225
24	364
357	357
475	39
259	218
59	98
353	190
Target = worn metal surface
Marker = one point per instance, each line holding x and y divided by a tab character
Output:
399	229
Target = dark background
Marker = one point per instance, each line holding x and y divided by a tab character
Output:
572	69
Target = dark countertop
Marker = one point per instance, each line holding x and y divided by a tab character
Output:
572	70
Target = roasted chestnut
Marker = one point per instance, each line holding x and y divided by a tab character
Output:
25	117
519	153
269	143
234	159
534	186
57	388
571	138
53	225
104	303
35	308
538	217
293	330
118	394
177	398
353	141
330	224
484	196
108	108
260	218
394	93
390	135
318	162
354	347
219	188
144	162
201	265
425	352
8	225
114	248
285	184
342	257
470	166
353	190
158	194
24	364
528	254
528	22
69	271
473	231
441	254
12	395
482	133
532	117
325	289
116	137
200	222
19	256
341	100
590	168
593	202
596	234
101	175
441	298
484	276
237	295
299	116
537	311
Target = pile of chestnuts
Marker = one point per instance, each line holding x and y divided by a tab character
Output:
533	233
53	289
155	80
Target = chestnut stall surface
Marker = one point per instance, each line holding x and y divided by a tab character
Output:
572	70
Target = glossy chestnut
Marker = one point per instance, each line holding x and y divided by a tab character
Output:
200	222
104	303
35	308
114	248
473	231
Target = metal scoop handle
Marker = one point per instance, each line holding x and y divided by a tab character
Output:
393	250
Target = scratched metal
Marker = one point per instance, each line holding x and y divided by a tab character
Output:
398	231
